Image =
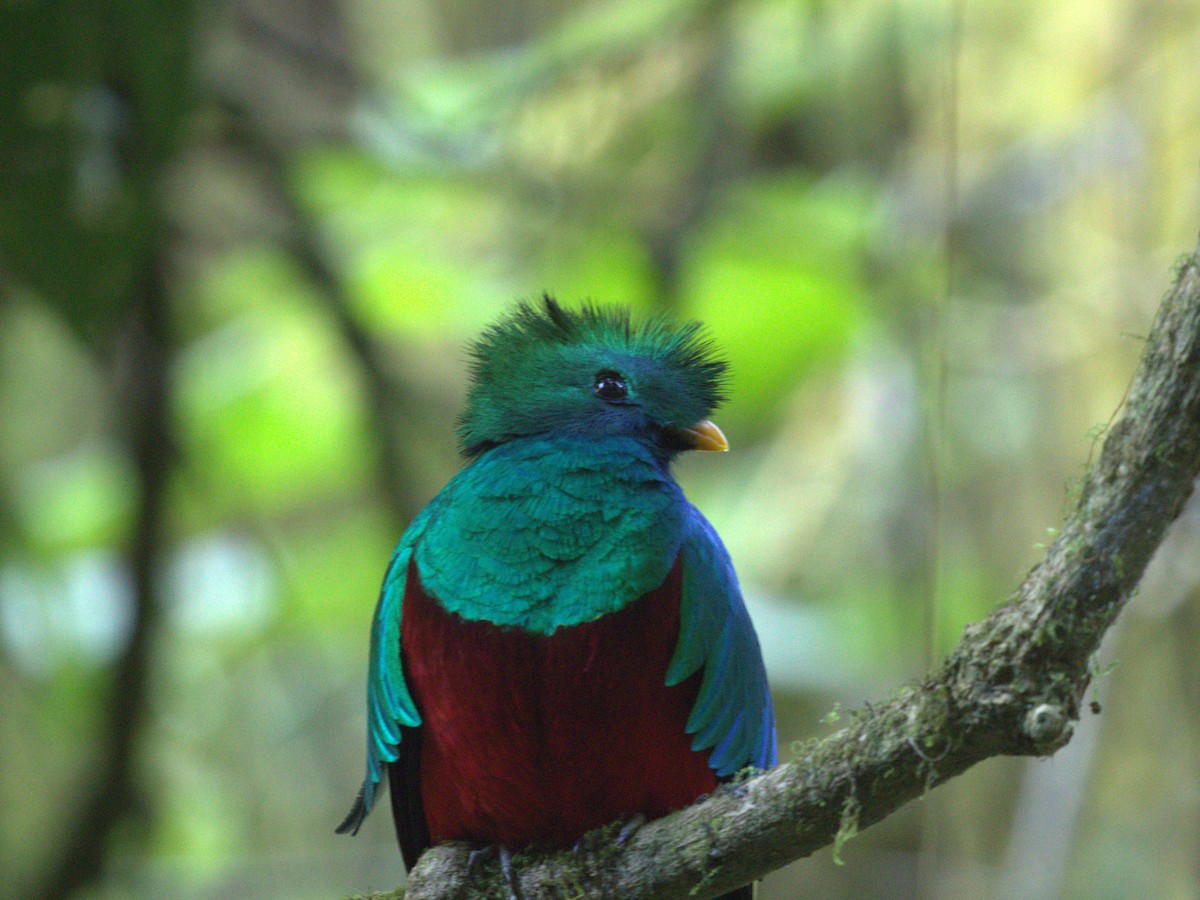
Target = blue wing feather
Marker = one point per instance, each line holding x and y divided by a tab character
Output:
732	713
390	706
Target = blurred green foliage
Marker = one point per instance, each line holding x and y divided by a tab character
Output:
925	235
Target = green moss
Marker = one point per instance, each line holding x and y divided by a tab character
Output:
847	828
802	750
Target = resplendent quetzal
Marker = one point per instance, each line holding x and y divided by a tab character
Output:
560	640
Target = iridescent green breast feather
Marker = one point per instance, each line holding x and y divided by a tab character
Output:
544	533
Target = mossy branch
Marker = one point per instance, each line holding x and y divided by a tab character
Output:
1013	685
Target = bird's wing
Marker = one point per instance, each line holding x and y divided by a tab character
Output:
390	707
732	713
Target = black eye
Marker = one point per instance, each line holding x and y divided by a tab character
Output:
610	386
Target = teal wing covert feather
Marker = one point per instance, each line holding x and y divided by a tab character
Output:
733	713
390	706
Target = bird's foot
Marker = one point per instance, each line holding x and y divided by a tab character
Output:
507	868
482	855
598	837
478	856
629	828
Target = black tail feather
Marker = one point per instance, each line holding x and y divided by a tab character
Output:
354	820
405	787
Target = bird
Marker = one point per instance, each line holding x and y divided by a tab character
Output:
560	641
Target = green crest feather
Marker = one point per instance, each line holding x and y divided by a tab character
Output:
534	369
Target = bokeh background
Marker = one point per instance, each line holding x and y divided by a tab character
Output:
242	244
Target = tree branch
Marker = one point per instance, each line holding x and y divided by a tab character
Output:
1012	686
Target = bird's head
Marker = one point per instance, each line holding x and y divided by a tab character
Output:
594	372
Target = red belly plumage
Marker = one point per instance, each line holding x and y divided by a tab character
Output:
535	739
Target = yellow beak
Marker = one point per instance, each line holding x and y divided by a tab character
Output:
704	435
